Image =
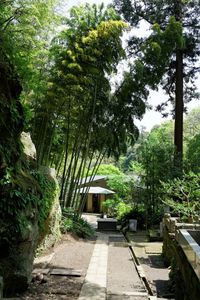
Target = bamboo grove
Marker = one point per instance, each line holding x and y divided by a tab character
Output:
81	117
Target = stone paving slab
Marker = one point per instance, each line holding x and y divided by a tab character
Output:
94	287
149	255
66	272
154	248
129	294
123	281
112	274
126	297
41	271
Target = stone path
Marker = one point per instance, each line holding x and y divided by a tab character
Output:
112	274
149	256
94	287
123	281
106	269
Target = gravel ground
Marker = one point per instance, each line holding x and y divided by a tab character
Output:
123	281
70	253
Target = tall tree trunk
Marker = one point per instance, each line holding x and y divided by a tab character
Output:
179	106
178	126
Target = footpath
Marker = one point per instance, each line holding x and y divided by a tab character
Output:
148	257
106	268
112	274
135	270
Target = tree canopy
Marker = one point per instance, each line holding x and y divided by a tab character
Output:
169	55
79	111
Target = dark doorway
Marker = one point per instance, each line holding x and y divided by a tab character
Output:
85	207
95	203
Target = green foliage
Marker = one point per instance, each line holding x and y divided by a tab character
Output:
158	48
123	209
116	208
135	212
108	169
19	194
182	195
110	207
78	99
168	55
73	223
152	162
121	184
117	181
192	124
155	155
192	154
49	189
151	159
23	194
25	27
174	28
78	89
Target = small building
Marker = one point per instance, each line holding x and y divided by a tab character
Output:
96	191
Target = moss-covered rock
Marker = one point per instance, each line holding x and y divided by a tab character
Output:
29	215
19	230
51	217
25	205
19	191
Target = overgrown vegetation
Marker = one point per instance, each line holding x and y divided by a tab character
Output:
182	195
75	224
49	191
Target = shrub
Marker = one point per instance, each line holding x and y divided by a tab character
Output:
123	209
182	195
136	212
110	207
73	223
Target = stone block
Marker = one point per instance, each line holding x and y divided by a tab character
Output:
107	224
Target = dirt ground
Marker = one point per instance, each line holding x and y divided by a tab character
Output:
71	253
74	254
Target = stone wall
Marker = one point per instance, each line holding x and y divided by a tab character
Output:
183	277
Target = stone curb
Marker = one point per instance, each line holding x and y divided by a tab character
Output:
140	270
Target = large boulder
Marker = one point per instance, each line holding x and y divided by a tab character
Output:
16	264
30	215
19	230
19	191
51	230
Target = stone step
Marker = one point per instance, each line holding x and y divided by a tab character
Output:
66	272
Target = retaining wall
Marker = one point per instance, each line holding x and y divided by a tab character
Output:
183	272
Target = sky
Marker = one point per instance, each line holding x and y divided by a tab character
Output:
151	117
